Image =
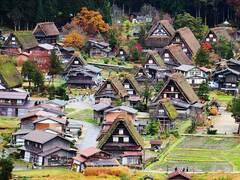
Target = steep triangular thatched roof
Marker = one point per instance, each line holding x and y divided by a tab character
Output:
25	39
134	83
160	40
48	28
178	54
222	32
116	83
187	35
169	108
156	58
122	119
183	86
9	74
71	62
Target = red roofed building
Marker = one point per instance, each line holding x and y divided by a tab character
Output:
179	175
93	157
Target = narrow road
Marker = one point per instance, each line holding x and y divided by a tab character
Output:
90	134
225	123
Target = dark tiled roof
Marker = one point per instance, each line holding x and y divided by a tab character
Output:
102	163
89	151
39	136
13	95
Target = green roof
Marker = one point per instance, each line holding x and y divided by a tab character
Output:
9	74
26	39
170	109
129	126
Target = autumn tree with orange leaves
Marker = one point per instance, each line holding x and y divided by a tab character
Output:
74	39
91	21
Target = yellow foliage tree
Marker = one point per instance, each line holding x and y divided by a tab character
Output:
74	39
91	21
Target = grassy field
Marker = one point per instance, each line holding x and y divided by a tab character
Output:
201	154
221	97
84	115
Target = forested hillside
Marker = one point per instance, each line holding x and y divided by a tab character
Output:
25	14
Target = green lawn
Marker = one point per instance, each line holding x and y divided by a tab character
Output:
84	115
8	125
201	154
221	97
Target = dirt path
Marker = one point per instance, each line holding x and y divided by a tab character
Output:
225	123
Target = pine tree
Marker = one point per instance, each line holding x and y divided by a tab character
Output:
55	65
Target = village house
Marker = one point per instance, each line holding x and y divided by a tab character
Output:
142	77
173	56
92	157
155	144
99	109
133	88
75	62
214	34
97	49
47	149
111	90
155	66
181	94
66	53
87	76
17	137
14	103
165	112
179	175
160	35
186	39
58	103
18	42
123	142
227	76
46	32
123	53
194	75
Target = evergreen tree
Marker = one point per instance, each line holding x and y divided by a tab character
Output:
38	80
224	48
202	57
28	70
55	65
6	167
153	127
203	91
158	87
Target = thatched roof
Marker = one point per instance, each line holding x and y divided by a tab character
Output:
156	58
9	74
160	41
71	62
26	39
187	36
122	119
169	108
183	86
134	83
116	83
48	28
177	53
225	32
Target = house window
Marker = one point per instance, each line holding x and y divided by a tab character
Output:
126	139
126	85
19	101
150	61
13	42
214	39
177	39
140	73
207	39
166	59
184	50
176	96
120	131
172	89
166	55
76	62
40	146
164	95
121	52
13	38
183	45
27	142
115	139
108	85
36	145
210	35
130	92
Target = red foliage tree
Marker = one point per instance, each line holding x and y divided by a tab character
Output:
206	46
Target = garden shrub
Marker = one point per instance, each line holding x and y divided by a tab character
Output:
106	61
211	131
114	171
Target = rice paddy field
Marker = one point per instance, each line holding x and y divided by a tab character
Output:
201	154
